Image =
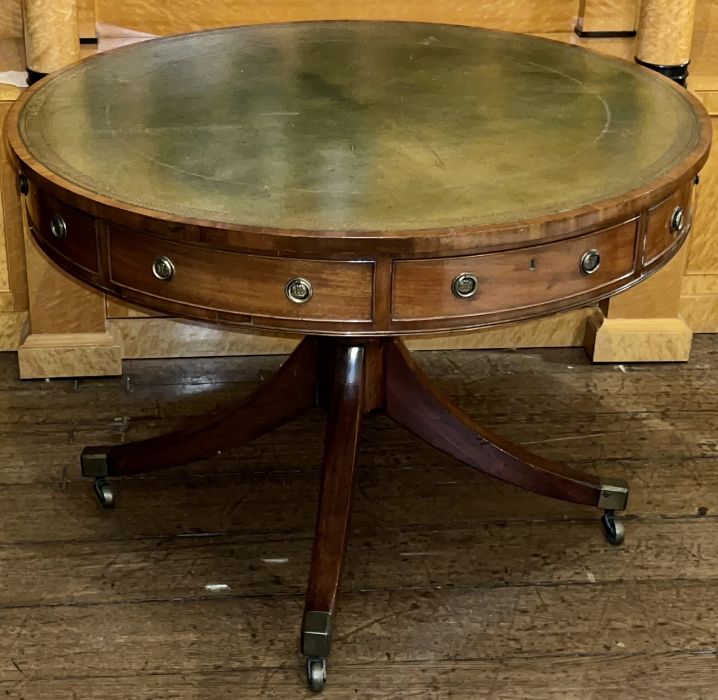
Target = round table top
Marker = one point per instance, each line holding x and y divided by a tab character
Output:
359	127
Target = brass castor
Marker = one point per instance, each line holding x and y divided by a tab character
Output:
316	672
613	529
105	493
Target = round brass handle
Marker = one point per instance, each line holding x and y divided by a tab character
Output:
58	227
590	262
678	220
299	290
163	268
464	285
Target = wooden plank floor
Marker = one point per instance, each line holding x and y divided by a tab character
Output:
456	586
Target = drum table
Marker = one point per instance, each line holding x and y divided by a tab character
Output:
356	182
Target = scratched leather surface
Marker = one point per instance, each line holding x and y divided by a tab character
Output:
358	126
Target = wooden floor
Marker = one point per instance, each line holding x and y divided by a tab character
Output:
456	586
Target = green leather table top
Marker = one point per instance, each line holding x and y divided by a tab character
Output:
358	126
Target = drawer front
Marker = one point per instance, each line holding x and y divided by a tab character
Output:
667	222
514	279
246	284
68	231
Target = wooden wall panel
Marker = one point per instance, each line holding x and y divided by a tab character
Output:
116	308
10	19
86	19
4	233
12	58
706	15
170	17
58	303
704	52
13	285
607	15
12	258
703	255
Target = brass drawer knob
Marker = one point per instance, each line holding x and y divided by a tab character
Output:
163	268
299	290
590	262
58	227
678	220
464	285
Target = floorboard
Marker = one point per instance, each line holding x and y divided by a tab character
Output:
456	586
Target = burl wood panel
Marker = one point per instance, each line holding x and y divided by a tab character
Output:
665	31
11	19
57	303
703	254
86	19
8	203
655	298
11	215
165	17
704	61
51	34
607	15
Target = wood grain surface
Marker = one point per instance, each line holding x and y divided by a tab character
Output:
607	15
665	31
455	585
11	19
167	17
51	34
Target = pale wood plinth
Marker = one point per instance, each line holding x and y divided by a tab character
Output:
638	339
644	323
43	355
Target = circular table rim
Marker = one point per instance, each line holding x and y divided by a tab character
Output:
462	239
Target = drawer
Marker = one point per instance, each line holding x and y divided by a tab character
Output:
512	279
68	231
246	284
665	224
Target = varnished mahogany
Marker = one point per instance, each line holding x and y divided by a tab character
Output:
380	163
348	378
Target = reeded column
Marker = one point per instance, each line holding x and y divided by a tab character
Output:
52	39
665	33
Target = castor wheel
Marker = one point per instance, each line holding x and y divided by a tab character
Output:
316	672
104	492
613	528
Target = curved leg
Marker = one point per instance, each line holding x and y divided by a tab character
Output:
288	393
413	402
342	438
